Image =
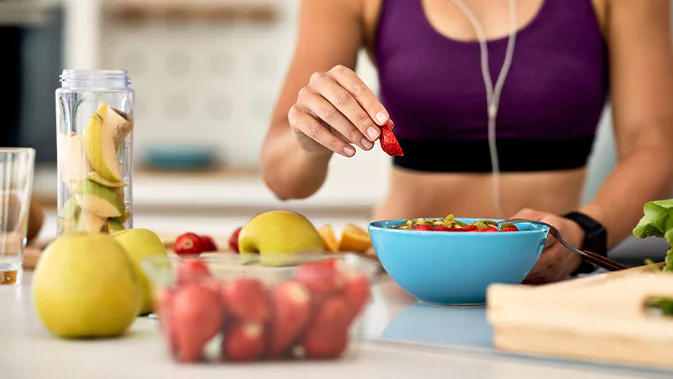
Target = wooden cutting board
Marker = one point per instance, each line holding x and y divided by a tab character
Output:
601	318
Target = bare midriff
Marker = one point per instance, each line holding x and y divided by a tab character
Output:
421	194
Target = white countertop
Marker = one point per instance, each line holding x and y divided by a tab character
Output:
29	351
402	339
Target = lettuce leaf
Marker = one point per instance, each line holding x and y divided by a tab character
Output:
658	222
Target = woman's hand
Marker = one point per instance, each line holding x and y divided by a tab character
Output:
556	262
335	110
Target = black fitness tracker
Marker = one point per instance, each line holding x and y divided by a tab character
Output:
595	239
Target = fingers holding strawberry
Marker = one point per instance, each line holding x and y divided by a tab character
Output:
335	110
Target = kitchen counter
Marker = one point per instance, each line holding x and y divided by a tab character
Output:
399	339
31	352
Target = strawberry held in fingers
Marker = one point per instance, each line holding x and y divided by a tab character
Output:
389	143
188	244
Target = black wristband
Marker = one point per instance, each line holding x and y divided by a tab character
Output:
595	239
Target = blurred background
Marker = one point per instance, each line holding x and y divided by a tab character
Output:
206	74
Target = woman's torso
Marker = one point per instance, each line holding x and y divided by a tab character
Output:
428	60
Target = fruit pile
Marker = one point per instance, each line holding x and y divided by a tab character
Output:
91	172
306	317
279	232
450	224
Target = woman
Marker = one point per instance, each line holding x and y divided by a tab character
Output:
566	58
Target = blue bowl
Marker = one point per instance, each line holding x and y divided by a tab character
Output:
456	268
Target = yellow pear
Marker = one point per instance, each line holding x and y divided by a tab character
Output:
86	287
276	235
141	244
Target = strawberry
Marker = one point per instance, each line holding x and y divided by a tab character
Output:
489	229
163	303
243	342
233	239
357	293
321	278
246	299
289	313
197	318
192	270
389	143
510	229
426	227
207	244
468	228
188	244
327	336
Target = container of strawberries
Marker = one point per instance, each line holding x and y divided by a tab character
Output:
214	311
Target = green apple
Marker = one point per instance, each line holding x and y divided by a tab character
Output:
98	199
70	208
96	178
89	222
278	235
74	163
85	286
141	244
100	146
69	215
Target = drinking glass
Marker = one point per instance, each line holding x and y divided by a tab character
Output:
16	187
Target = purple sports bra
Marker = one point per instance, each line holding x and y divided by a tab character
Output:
550	105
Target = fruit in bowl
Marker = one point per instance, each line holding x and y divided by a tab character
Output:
456	266
309	314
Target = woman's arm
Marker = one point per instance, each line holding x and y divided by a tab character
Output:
329	34
641	66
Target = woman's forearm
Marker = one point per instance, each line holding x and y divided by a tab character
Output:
290	171
643	176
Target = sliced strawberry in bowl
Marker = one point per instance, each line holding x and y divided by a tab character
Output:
423	227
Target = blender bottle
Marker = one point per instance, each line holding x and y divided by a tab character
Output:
94	129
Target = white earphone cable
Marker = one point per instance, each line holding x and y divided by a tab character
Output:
493	93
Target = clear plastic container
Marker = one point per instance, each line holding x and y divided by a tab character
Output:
216	309
94	122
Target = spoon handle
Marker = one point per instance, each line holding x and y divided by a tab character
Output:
593	258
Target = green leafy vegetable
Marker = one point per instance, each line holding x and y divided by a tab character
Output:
664	305
658	222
